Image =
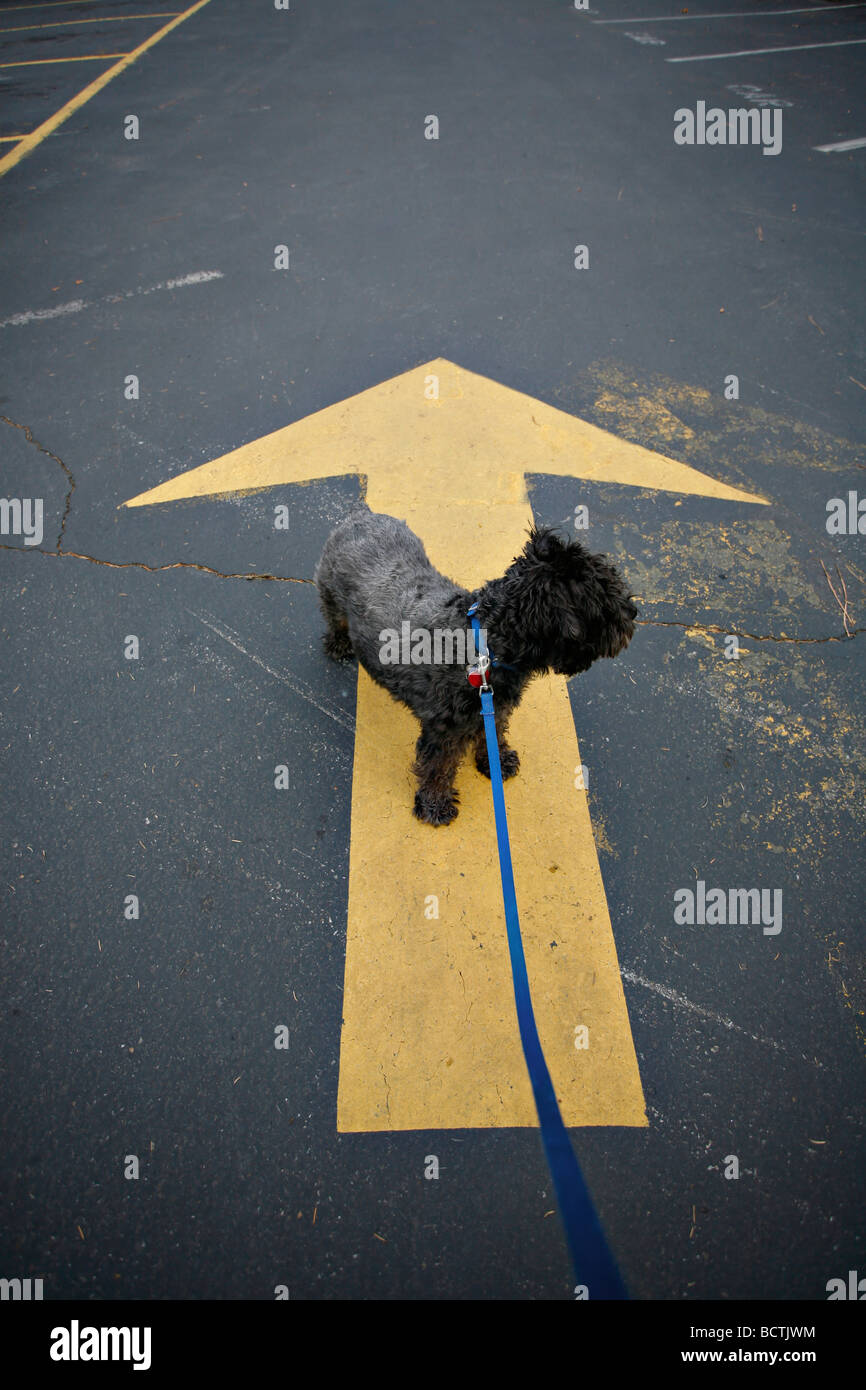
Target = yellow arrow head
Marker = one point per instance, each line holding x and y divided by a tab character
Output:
448	451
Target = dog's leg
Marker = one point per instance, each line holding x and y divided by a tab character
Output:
336	638
437	757
508	758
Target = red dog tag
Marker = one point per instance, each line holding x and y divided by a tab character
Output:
478	671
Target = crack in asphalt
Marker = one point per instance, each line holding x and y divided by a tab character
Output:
59	552
738	632
151	569
28	435
728	631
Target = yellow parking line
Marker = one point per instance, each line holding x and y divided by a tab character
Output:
5	139
50	5
85	58
106	19
23	148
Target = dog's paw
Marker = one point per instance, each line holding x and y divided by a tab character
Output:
509	761
435	810
337	646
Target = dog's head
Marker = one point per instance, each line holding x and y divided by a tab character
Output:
564	607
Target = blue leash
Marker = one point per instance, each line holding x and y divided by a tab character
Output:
593	1263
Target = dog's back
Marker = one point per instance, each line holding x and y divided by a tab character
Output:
375	567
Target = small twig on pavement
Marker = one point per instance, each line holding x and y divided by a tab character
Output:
842	602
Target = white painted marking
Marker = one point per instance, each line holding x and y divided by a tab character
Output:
733	14
644	38
841	146
34	315
297	686
683	1003
198	277
752	52
756	97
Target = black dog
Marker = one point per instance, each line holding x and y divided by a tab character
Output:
557	607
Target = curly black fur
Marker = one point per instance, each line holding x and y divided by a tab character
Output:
556	608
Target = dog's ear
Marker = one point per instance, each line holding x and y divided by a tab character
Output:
542	545
546	548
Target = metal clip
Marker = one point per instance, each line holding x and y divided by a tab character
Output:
477	672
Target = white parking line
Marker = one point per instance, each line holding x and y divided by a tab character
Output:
841	146
752	52
733	14
682	1002
298	686
198	277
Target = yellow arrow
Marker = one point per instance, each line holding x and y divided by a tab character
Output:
429	1030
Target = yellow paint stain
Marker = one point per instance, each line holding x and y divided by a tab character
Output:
646	413
795	732
697	634
651	409
430	1037
602	839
